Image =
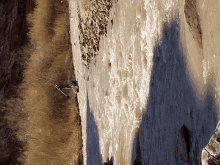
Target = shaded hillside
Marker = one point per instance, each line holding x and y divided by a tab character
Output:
13	34
13	37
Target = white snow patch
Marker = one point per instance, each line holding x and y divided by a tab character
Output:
118	94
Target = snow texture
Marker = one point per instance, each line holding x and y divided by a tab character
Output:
139	81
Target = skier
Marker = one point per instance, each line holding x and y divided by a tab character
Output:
73	85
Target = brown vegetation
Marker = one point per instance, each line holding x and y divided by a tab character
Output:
55	127
13	36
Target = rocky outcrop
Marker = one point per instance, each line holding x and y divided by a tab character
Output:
211	153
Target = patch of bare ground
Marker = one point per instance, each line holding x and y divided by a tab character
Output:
192	19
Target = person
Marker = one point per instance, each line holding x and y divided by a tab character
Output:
72	85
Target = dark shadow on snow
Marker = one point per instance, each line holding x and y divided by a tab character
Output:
92	145
93	152
174	129
137	155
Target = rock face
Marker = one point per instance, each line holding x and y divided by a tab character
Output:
211	153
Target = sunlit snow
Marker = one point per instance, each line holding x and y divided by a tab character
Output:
118	93
118	86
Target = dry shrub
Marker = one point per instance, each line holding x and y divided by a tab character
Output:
55	127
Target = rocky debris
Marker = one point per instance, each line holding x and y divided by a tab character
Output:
211	153
92	28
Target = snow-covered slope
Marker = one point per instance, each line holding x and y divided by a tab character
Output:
118	85
137	67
